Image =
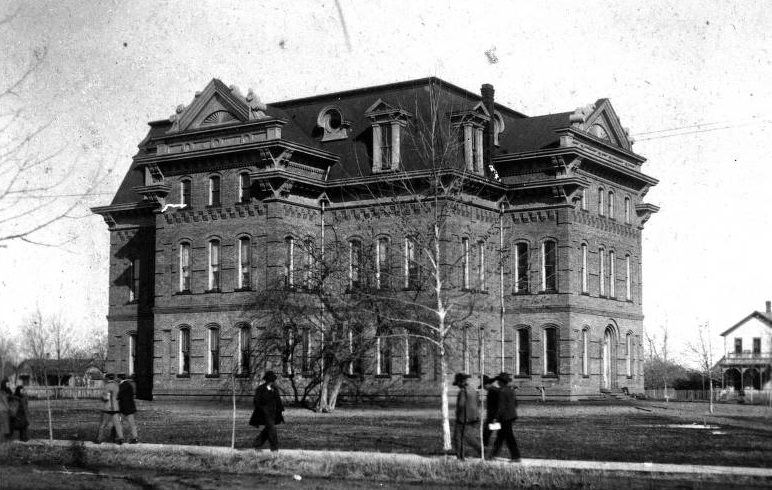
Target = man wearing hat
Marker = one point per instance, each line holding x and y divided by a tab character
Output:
506	414
110	418
268	411
466	430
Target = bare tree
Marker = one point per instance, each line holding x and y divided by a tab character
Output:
38	189
702	349
9	354
61	336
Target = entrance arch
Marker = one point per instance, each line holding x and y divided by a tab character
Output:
608	358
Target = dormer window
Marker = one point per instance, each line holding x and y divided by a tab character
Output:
498	127
333	124
387	123
470	125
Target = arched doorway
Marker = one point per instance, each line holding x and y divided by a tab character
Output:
733	379
609	355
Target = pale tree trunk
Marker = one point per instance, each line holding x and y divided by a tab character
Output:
336	386
323	405
446	444
233	417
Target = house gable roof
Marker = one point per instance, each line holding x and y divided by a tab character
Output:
763	317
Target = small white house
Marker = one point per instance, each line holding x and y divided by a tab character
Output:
747	361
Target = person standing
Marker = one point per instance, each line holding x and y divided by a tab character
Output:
20	419
491	385
466	430
506	414
110	411
268	412
5	411
127	407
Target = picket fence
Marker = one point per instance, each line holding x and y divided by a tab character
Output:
62	392
755	397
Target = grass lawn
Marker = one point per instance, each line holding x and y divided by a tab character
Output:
641	432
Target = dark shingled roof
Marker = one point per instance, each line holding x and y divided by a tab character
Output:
533	133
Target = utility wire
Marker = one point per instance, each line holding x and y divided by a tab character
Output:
729	126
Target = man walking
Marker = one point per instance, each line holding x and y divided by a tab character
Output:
466	431
491	385
126	405
268	412
110	411
506	414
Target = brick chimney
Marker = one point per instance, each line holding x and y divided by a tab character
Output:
487	99
769	307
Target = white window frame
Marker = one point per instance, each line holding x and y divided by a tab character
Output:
481	279
628	279
245	263
627	210
544	264
381	262
611	204
393	156
465	263
132	352
289	261
601	201
213	345
410	257
585	352
245	335
134	280
544	351
215	276
183	201
243	194
629	355
602	271
585	285
183	339
517	356
612	290
212	180
185	267
355	269
517	267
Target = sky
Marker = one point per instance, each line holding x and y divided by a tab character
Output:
690	79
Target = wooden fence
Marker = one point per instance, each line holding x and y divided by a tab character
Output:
756	397
63	392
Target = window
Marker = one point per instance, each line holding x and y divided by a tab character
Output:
412	271
245	351
629	355
214	190
185	192
289	262
382	264
305	350
601	201
550	351
602	271
465	347
523	352
245	186
756	346
627	210
132	353
611	204
386	146
244	263
185	267
214	265
355	264
309	281
465	263
549	259
521	268
413	356
383	354
289	337
184	352
331	120
214	351
355	349
473	148
628	281
738	346
481	266
584	268
585	352
498	127
134	280
611	275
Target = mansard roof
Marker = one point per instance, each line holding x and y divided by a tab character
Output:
219	109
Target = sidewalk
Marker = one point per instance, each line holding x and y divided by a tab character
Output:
618	468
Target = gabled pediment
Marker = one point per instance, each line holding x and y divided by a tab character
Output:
382	110
217	105
600	121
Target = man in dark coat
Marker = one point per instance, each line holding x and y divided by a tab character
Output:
506	414
268	411
126	405
466	432
491	386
